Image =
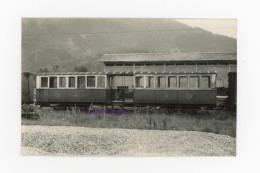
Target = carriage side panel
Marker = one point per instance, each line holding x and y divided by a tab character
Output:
42	95
166	96
144	96
195	97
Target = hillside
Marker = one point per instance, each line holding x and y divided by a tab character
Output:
72	42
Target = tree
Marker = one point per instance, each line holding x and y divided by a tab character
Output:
42	70
27	75
55	68
80	68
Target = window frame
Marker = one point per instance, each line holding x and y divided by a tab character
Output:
40	82
167	82
67	86
50	81
210	85
87	82
144	80
179	83
84	81
213	81
96	81
58	81
154	85
197	76
158	76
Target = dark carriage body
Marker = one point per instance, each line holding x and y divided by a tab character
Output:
70	97
176	97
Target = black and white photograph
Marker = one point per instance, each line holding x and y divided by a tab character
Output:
128	87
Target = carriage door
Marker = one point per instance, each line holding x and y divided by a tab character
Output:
123	88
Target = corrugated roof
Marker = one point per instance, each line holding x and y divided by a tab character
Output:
163	57
116	73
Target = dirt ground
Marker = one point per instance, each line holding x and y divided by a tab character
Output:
69	140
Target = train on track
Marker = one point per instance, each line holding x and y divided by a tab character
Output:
142	88
180	89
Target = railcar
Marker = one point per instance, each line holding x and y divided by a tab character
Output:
127	88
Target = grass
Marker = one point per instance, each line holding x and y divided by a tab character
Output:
223	122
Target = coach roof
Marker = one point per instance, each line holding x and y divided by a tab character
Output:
121	73
173	57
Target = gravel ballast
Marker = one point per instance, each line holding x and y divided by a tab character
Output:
69	140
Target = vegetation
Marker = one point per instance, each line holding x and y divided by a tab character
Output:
55	68
222	122
27	76
80	68
43	70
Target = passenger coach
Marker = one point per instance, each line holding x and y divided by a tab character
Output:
128	88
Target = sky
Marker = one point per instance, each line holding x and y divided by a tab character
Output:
227	27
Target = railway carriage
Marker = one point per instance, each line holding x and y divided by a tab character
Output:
127	88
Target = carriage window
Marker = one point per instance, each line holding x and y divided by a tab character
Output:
72	83
53	82
205	82
62	82
81	82
139	82
101	81
149	82
44	81
172	82
161	82
194	82
91	81
213	81
183	80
